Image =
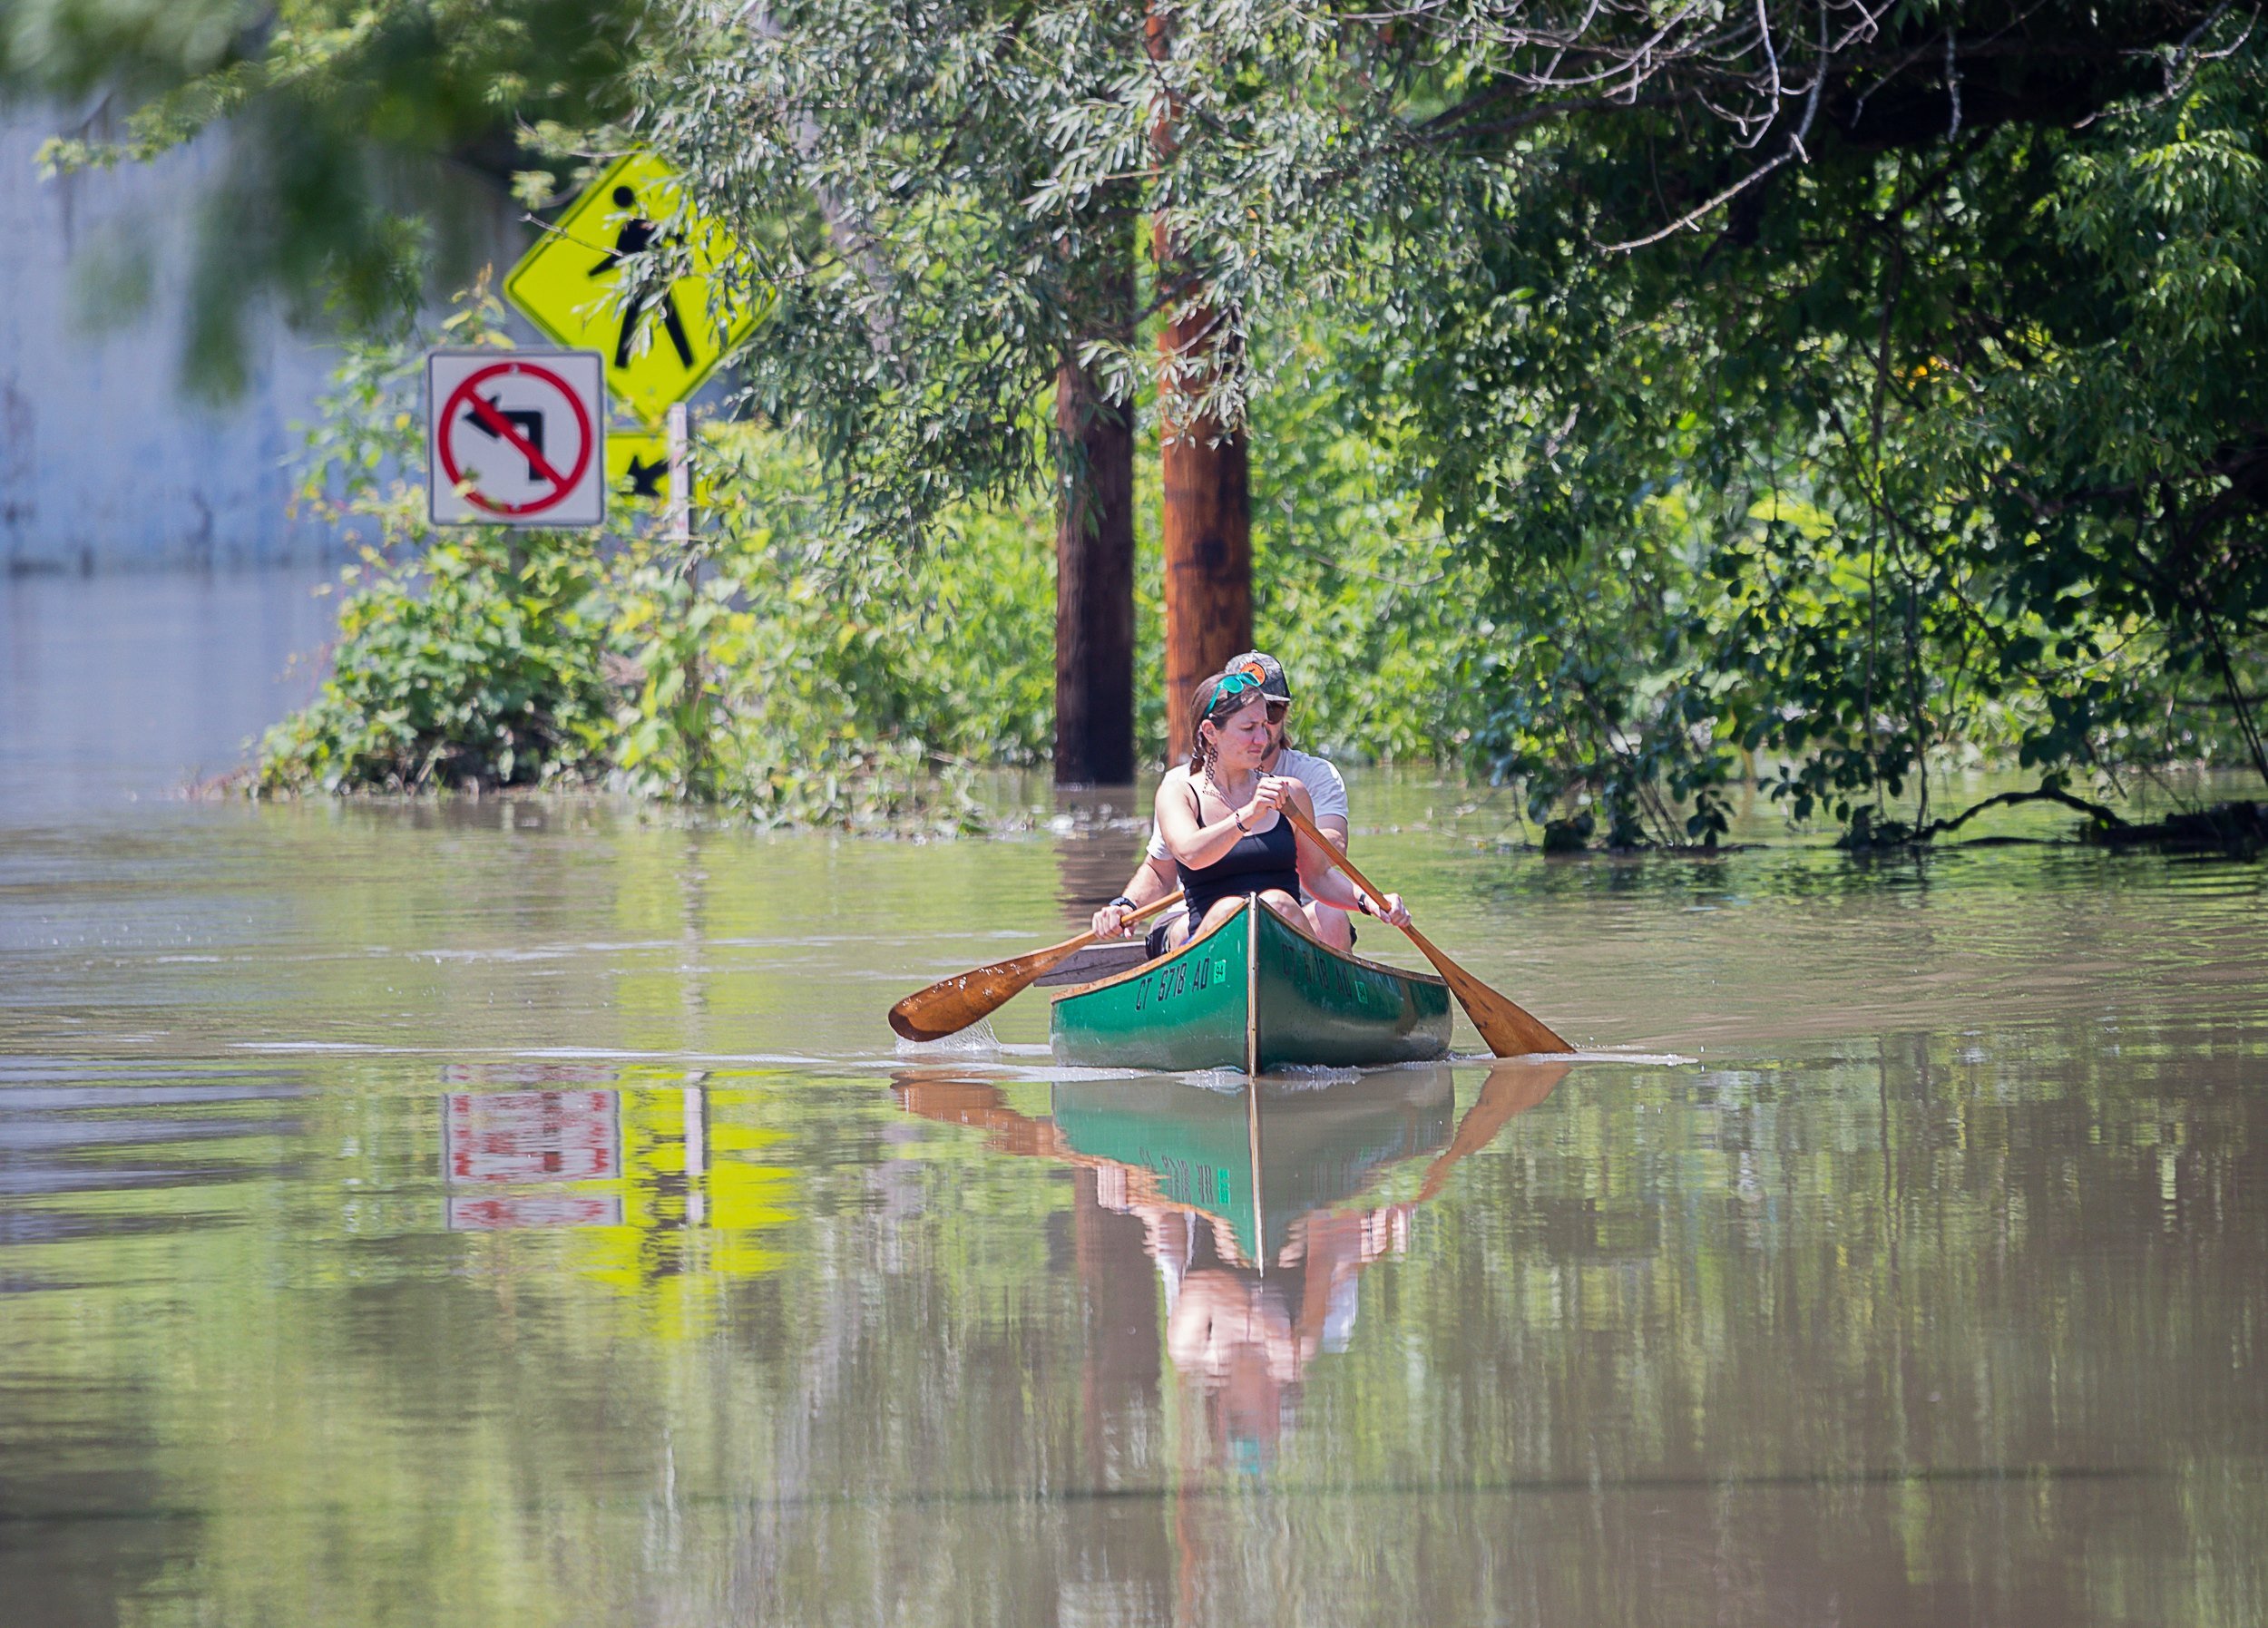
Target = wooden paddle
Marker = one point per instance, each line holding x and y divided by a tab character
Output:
951	1004
1509	1030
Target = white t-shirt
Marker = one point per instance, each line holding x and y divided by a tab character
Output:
1325	790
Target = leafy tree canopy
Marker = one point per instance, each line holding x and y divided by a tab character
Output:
1821	386
1833	382
366	139
1944	433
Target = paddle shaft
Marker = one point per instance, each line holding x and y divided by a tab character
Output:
1091	937
952	1004
1510	1030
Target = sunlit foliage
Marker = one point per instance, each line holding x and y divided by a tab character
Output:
1643	401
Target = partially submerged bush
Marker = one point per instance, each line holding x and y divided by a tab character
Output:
484	667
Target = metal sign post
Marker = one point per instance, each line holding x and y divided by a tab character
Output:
680	477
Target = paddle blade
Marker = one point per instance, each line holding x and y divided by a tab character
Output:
951	1004
1508	1029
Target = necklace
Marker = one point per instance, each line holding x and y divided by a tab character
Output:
1221	792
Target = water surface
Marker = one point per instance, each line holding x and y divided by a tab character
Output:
116	689
518	1213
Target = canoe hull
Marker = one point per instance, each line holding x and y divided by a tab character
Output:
1252	986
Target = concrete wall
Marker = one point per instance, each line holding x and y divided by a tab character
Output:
104	461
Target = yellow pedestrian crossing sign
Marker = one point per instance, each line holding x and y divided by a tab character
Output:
655	353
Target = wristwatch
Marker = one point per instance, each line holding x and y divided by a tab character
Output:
1121	902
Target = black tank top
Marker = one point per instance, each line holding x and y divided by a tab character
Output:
1266	858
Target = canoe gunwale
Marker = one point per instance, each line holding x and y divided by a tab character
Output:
1141	968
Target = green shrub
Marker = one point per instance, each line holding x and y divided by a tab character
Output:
482	667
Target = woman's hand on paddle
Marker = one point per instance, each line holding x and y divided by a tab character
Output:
1273	792
1391	911
1109	921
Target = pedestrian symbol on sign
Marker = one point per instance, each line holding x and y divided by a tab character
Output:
636	237
659	343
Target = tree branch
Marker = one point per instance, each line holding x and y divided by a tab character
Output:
2098	813
1794	148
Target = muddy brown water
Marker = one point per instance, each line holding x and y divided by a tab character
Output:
520	1214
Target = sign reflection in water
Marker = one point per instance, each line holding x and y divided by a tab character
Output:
1258	1252
653	1175
515	1138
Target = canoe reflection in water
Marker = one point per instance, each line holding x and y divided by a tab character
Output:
1250	1207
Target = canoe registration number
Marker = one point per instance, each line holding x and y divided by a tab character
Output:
1170	983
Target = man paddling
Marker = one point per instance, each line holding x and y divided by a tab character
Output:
1325	789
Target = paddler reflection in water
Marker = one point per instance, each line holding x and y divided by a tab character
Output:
1244	1340
1326	793
1219	819
1250	1303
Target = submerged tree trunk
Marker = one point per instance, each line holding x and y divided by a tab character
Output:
1094	528
1206	530
1094	585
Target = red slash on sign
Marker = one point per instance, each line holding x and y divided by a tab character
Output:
496	423
521	429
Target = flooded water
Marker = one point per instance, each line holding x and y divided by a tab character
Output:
520	1213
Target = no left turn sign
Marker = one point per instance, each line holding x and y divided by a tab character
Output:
516	438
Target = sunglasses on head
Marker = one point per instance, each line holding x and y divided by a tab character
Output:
1231	686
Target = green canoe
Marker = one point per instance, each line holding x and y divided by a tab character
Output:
1253	999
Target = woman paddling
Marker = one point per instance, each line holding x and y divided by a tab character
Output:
1218	816
1155	876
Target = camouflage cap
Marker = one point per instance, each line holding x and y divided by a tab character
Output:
1264	666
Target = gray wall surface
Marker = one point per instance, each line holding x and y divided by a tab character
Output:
104	460
125	685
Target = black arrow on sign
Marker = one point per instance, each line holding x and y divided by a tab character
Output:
528	421
645	479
